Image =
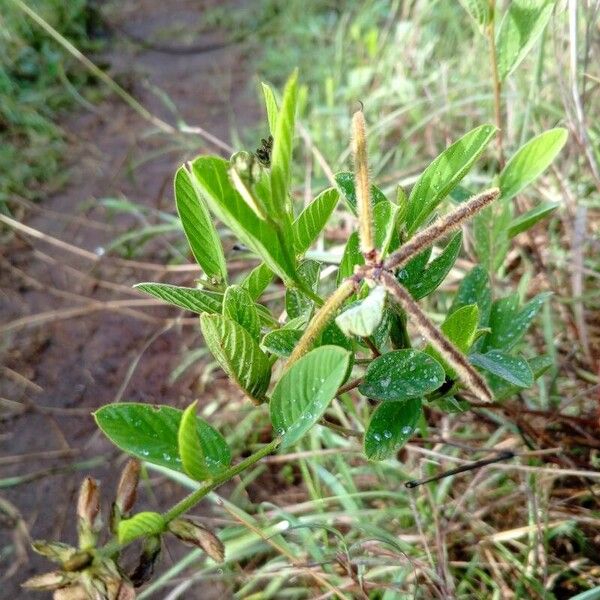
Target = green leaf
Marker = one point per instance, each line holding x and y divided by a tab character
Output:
502	389
390	427
521	26
333	336
352	257
460	327
313	219
530	218
239	307
198	301
385	218
508	323
402	374
530	161
297	304
203	451
271	106
257	281
475	289
150	433
305	390
281	157
347	187
490	231
198	227
211	172
426	281
238	354
281	342
451	405
363	317
512	369
444	174
141	524
479	11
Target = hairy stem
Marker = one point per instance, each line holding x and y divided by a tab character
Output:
474	382
440	228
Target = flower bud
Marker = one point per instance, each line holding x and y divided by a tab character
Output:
88	504
47	581
197	535
145	568
127	489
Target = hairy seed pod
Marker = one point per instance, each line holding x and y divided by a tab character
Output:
363	188
197	535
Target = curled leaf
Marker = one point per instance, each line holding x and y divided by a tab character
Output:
363	317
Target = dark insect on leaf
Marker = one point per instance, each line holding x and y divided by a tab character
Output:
263	152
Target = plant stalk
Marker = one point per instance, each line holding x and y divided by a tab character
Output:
497	85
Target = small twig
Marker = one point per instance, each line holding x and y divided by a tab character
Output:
503	455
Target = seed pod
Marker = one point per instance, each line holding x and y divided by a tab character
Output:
88	504
47	581
127	488
197	535
54	551
145	568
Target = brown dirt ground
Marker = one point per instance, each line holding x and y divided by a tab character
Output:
62	369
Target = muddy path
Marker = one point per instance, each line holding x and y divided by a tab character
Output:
62	352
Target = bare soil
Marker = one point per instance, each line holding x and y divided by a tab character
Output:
58	368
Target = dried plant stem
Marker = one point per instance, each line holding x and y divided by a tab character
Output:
468	375
497	86
363	188
441	228
321	319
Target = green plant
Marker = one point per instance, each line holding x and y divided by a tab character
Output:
360	338
37	81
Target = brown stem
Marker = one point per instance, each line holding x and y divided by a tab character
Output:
474	382
440	228
497	89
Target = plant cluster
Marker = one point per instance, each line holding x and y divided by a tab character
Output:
370	335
